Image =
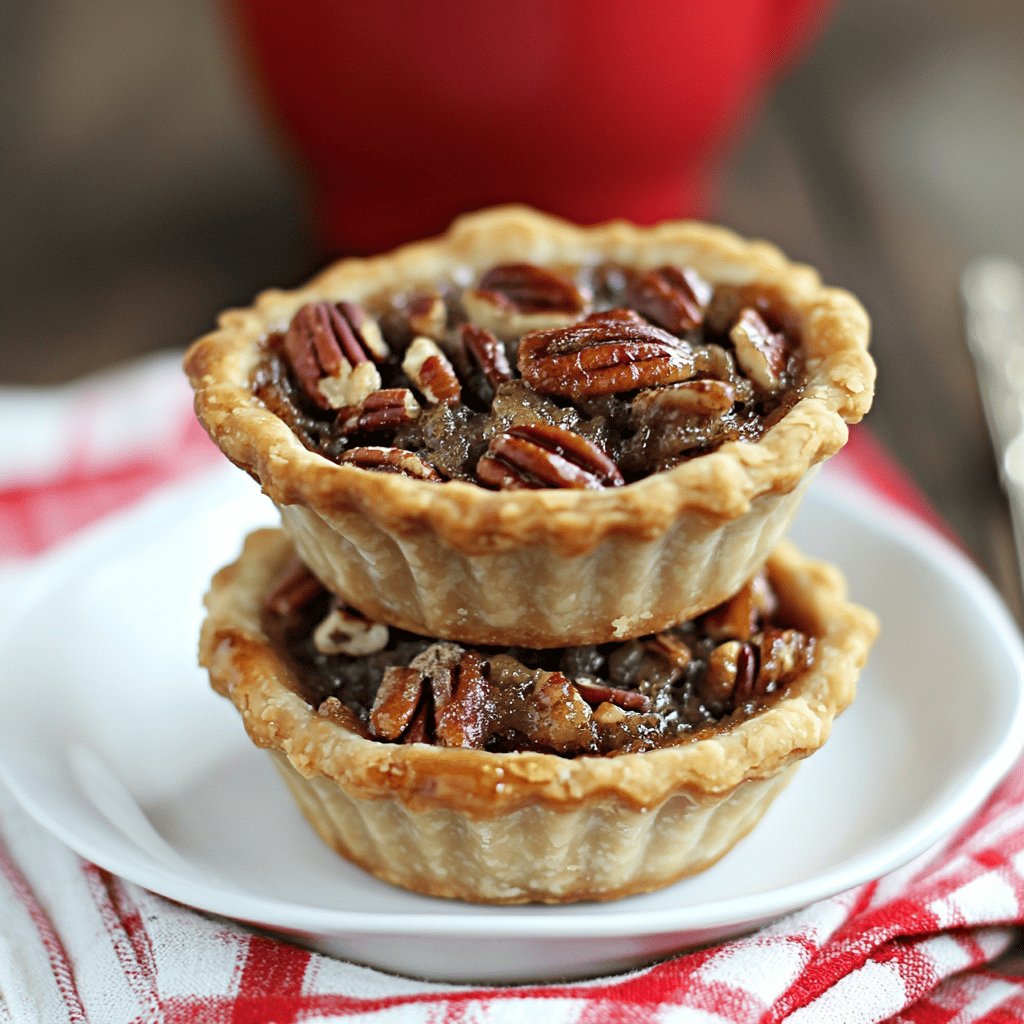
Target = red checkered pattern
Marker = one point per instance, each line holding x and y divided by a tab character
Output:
78	944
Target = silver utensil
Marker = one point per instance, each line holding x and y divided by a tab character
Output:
992	289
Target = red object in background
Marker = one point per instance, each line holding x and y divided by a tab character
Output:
407	112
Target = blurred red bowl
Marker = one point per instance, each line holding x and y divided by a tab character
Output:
407	112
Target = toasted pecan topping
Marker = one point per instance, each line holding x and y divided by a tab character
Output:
419	727
782	653
390	460
467	716
540	455
630	696
672	650
565	721
366	329
387	409
746	674
329	348
333	710
719	684
606	714
604	354
670	297
760	351
296	588
434	376
487	352
437	664
662	376
703	398
595	693
734	619
531	289
350	385
346	631
398	697
609	281
517	297
427	315
740	672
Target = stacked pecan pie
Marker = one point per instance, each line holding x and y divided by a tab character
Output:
528	632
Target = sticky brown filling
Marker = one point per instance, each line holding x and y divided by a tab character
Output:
535	377
389	685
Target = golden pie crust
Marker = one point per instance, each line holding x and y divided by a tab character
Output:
542	568
520	827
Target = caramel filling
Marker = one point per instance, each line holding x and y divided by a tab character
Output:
389	685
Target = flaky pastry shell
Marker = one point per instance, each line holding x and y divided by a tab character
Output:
519	827
542	568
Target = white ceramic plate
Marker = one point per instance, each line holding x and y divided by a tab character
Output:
112	739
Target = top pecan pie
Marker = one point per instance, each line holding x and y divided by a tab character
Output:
535	377
530	433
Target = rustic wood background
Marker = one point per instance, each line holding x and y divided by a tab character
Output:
141	194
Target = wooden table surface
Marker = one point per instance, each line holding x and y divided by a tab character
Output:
141	195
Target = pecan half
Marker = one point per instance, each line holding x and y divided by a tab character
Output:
729	667
701	398
340	714
387	409
672	297
296	588
367	330
761	352
562	719
746	675
350	385
467	717
607	714
329	348
434	376
735	618
487	352
766	603
539	455
437	665
674	651
516	297
609	281
419	727
531	289
390	460
427	315
784	653
742	671
346	631
596	693
718	363
607	353
398	697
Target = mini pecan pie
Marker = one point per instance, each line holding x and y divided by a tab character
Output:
510	776
530	433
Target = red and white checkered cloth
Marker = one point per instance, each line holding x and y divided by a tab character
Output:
79	944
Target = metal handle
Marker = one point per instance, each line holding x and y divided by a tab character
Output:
993	295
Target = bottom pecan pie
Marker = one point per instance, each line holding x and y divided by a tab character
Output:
511	775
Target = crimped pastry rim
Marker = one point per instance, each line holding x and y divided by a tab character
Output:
244	667
721	484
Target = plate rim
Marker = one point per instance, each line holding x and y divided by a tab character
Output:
902	847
